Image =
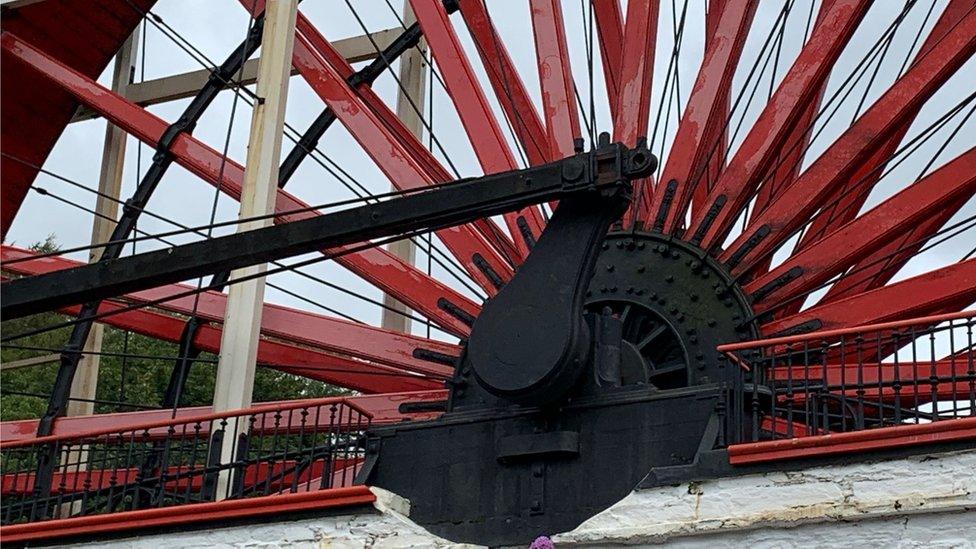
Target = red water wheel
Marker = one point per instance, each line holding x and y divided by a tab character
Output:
816	172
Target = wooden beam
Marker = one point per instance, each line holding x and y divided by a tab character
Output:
413	76
33	361
85	383
245	300
182	86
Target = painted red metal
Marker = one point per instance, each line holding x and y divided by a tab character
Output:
472	106
301	328
391	156
909	374
286	357
762	145
846	206
77	482
946	289
610	28
634	98
555	76
717	133
636	72
34	112
506	82
842	159
790	161
836	252
425	158
381	268
705	113
836	333
188	515
885	438
383	408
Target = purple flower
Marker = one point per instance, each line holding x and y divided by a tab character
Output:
542	542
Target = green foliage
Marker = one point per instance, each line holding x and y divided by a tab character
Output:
133	380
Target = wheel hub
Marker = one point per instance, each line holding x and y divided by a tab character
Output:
676	305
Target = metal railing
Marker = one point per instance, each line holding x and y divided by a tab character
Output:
301	446
883	375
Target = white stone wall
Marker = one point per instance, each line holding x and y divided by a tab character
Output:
924	501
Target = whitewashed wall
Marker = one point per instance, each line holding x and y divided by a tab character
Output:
924	501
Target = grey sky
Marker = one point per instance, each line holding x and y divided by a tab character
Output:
216	26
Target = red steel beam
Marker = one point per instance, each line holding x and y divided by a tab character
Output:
555	76
636	77
790	161
846	207
762	145
835	253
379	267
386	148
396	128
948	288
610	31
842	159
506	82
322	333
717	133
914	377
704	114
383	407
472	106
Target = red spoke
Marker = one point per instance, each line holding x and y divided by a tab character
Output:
871	131
704	114
764	141
432	168
833	254
636	72
556	77
847	206
636	76
876	269
384	270
718	133
389	153
321	333
789	162
950	288
506	82
610	29
472	106
286	357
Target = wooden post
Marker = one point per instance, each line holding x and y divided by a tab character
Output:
85	382
242	318
413	76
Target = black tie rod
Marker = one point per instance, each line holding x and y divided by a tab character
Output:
608	169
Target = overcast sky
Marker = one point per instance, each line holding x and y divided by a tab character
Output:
215	27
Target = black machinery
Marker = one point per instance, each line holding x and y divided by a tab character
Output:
593	369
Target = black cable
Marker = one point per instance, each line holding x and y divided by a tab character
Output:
117	404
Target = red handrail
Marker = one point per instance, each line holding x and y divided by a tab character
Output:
276	407
935	319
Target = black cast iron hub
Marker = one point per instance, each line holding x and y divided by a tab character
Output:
676	305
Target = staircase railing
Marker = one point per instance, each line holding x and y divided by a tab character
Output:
299	446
